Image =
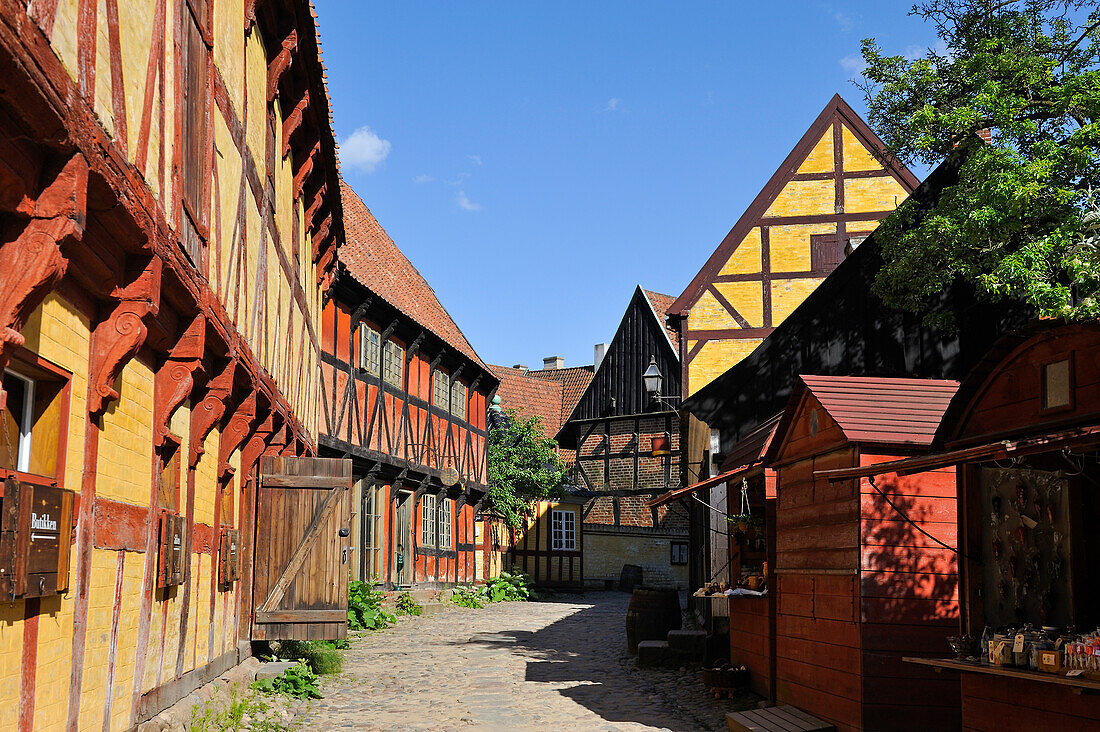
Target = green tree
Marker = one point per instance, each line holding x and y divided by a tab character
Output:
1021	221
523	466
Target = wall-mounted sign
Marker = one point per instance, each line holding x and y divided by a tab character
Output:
229	556
170	553
35	538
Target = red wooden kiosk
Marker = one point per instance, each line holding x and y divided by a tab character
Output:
1024	431
864	571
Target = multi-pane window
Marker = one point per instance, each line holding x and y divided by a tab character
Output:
30	425
678	552
440	392
370	349
428	520
393	363
445	523
458	399
563	531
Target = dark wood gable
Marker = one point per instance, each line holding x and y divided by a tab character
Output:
616	388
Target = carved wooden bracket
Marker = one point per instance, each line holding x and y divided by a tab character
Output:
235	432
305	169
316	203
258	441
115	341
320	235
280	64
324	267
293	121
176	378
32	264
209	410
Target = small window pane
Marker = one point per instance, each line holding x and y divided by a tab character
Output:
563	530
458	400
370	354
428	521
15	423
394	363
440	391
1056	384
445	523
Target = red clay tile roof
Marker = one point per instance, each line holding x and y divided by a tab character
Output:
752	447
661	304
881	410
374	261
549	393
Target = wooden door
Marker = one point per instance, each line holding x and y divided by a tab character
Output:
303	516
403	553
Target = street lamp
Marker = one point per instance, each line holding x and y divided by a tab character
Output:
652	379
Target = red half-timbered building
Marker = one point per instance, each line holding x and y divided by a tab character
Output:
405	396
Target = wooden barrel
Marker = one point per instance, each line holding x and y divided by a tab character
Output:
651	614
630	577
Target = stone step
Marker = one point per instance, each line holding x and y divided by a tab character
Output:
776	719
271	669
692	643
656	653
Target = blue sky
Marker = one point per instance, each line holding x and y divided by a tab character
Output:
536	161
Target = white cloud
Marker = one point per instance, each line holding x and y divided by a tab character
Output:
424	179
364	149
844	21
465	203
613	104
853	64
475	158
458	180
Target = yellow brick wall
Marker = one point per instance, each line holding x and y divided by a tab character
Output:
790	245
821	157
55	645
872	194
715	358
605	554
746	298
11	649
789	294
856	156
745	259
97	638
125	464
804	198
133	572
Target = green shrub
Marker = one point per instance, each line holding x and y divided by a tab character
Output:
365	606
298	681
323	657
408	606
508	587
468	596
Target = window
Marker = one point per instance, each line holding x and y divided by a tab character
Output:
563	529
370	349
372	531
458	400
428	520
393	363
195	139
440	392
678	552
1056	384
32	424
445	523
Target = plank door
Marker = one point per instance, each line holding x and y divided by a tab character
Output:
303	516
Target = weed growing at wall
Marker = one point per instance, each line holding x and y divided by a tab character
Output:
298	681
469	597
365	606
408	606
243	712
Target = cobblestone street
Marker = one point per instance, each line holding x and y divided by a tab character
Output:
548	665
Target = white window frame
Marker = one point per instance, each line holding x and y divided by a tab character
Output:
23	449
445	513
428	520
563	533
372	541
458	400
441	392
393	354
370	349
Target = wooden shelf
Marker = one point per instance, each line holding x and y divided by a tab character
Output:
1079	683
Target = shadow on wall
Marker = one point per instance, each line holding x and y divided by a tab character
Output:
907	577
588	651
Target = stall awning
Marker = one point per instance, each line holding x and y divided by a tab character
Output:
687	490
1077	437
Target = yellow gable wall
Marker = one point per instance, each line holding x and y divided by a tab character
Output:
789	251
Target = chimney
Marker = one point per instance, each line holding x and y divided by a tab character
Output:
600	352
552	363
520	367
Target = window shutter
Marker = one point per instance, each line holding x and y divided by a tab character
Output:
195	135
